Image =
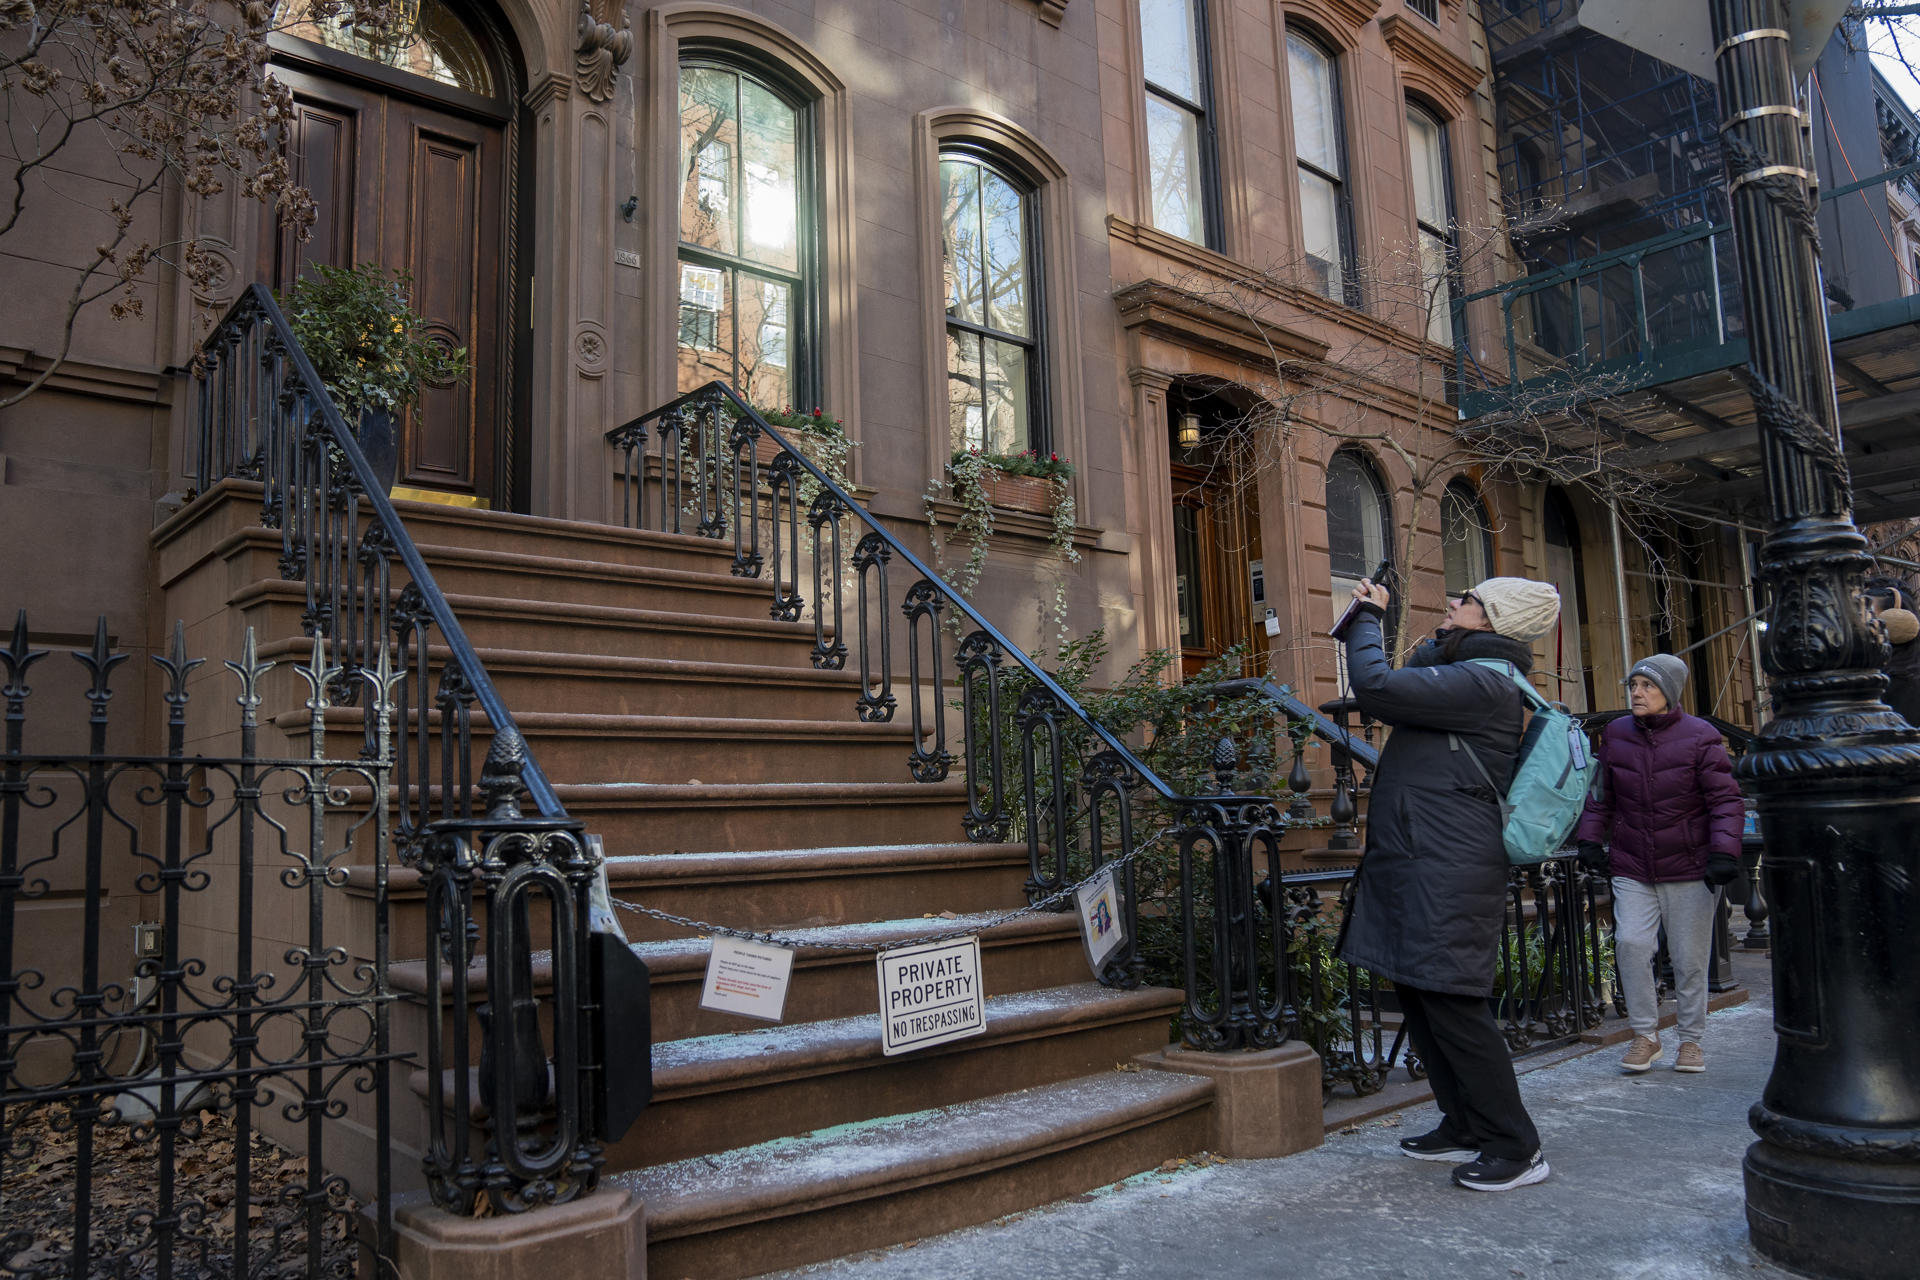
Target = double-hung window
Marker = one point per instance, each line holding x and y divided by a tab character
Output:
1433	212
1319	148
745	261
995	371
1466	539
1180	146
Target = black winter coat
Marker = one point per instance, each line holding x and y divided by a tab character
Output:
1429	898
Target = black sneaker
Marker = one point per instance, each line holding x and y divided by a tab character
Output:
1491	1173
1437	1146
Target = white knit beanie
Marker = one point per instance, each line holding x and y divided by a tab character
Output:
1519	608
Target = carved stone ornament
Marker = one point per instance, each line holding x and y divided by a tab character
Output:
603	48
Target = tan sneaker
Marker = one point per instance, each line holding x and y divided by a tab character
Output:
1641	1053
1690	1058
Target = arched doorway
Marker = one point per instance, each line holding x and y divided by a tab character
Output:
1569	669
1219	589
406	148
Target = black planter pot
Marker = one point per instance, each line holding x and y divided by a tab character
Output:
377	441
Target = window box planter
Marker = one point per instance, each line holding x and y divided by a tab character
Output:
1020	493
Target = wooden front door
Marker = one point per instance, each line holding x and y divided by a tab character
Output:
1210	557
413	187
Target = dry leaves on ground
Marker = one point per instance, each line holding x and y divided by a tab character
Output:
40	1182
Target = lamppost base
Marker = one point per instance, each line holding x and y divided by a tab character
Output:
1842	1219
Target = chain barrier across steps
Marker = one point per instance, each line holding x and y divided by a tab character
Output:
787	940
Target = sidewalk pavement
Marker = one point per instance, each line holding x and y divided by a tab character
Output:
1646	1184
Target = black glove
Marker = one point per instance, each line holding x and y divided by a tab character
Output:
1593	856
1722	869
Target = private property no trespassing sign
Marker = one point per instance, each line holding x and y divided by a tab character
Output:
930	994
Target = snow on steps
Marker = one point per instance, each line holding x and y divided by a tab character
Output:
715	1092
858	1186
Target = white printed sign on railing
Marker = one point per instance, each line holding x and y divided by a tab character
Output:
747	978
930	994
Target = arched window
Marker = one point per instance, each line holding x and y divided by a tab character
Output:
746	262
436	44
990	264
1466	539
1433	213
1320	150
1359	520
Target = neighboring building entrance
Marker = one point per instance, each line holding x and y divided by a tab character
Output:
405	151
1215	541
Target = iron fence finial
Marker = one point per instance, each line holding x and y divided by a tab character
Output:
500	779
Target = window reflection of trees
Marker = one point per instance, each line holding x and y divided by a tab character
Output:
1320	153
740	247
1173	57
986	234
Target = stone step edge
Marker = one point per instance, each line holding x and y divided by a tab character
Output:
467	607
728	867
293	722
785	1177
719	580
495	659
710	1064
683	959
723	1063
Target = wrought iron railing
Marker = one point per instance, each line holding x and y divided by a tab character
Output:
370	599
1664	308
1043	770
1555	977
1331	723
139	1086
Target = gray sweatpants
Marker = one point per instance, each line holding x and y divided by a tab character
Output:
1687	908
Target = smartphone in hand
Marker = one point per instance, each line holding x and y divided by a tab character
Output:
1340	624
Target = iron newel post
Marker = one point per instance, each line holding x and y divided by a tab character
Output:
1833	1184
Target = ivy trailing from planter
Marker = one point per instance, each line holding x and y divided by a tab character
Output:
969	475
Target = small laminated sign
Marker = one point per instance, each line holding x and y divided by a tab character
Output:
1101	927
747	978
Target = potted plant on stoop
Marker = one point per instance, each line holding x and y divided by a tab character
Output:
370	347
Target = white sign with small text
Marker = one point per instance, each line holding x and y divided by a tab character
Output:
747	978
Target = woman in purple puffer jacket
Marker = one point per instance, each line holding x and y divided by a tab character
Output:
1667	793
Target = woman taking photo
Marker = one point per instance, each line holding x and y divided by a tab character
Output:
1429	898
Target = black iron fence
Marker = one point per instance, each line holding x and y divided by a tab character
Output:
214	1099
372	604
1555	978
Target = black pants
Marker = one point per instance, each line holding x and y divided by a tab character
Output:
1471	1072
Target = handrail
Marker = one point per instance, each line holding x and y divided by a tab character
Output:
898	548
1324	727
256	302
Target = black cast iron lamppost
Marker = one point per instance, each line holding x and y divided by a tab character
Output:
1833	1184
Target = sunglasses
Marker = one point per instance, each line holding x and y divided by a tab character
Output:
1467	598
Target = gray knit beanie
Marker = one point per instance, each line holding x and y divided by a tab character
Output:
1519	608
1666	671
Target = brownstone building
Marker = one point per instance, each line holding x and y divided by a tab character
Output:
1153	237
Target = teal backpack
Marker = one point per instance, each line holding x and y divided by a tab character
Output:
1550	778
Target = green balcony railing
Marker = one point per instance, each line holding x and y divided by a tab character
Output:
1655	312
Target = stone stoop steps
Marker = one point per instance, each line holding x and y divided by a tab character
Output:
732	783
